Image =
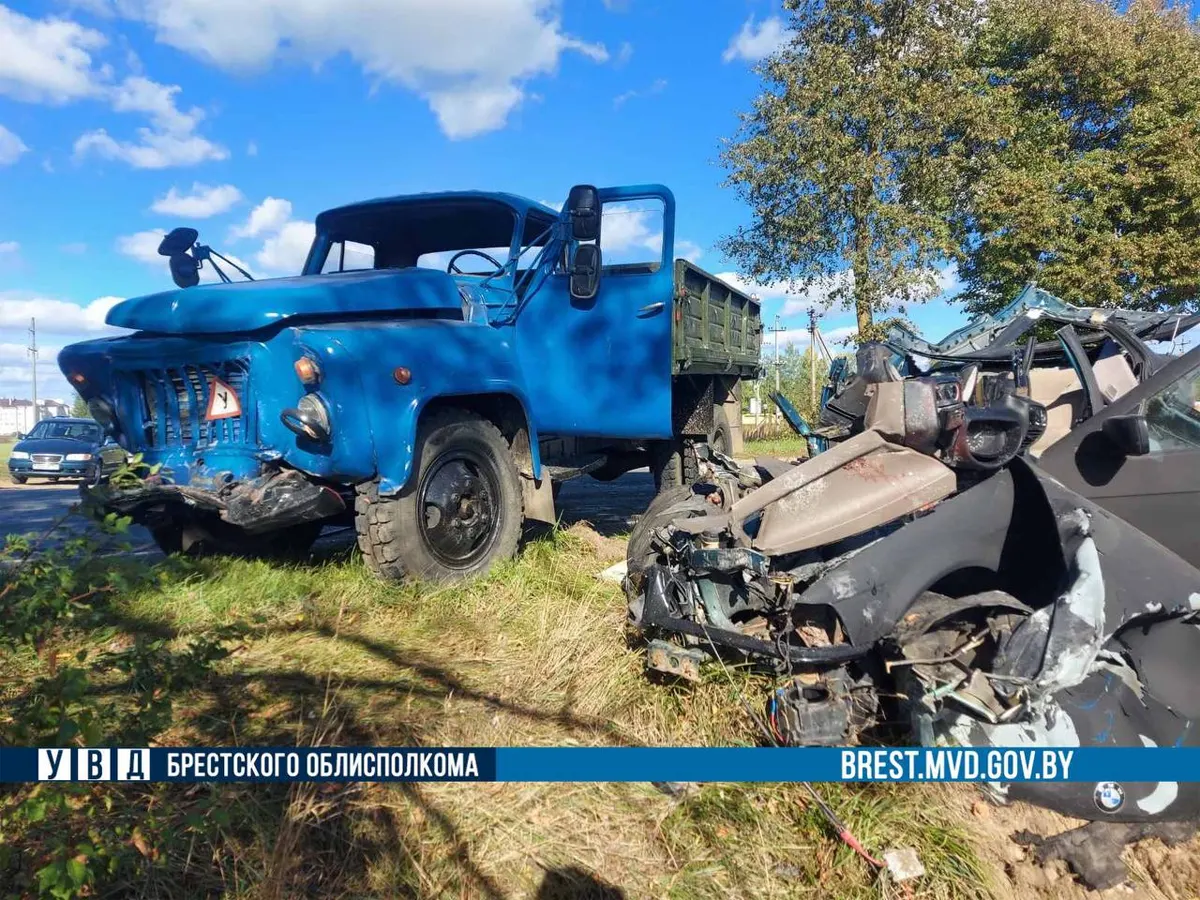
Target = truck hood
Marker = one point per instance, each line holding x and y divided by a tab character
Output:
251	305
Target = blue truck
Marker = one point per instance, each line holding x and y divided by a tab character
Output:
442	363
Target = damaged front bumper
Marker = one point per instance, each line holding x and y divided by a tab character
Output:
271	502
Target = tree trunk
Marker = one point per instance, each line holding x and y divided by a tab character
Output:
864	284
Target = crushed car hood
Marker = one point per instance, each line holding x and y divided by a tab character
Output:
251	305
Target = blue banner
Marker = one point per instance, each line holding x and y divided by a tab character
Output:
582	764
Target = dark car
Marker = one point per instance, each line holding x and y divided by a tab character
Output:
65	448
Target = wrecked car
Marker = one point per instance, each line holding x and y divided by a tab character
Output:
1093	357
926	580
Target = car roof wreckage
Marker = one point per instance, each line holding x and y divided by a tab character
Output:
924	580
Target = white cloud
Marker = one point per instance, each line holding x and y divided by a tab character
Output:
201	203
154	151
11	147
9	246
169	141
688	250
657	87
252	149
471	60
624	54
823	292
75	248
54	316
799	337
46	60
268	217
285	252
471	109
143	246
754	42
286	241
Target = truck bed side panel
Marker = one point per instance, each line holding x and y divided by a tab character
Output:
717	330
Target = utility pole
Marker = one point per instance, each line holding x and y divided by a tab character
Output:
777	327
33	355
812	353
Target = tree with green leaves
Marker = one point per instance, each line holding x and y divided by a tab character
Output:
850	157
1085	172
80	408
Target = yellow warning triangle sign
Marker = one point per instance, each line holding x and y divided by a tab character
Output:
223	402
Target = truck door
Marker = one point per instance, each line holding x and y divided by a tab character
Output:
602	367
1158	491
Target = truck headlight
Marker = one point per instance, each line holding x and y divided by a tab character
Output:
309	419
18	454
79	457
102	411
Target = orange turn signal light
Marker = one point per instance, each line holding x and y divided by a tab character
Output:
307	370
402	375
78	378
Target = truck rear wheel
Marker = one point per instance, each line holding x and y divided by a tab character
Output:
460	512
720	438
673	464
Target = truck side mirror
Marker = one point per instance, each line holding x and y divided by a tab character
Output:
585	272
1130	434
583	206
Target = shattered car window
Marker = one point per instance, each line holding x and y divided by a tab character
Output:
1173	416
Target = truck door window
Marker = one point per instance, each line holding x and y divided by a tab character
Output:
1173	415
631	236
348	256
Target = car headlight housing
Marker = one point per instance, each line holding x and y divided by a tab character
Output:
78	457
18	454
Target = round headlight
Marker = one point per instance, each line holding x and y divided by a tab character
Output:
102	411
313	405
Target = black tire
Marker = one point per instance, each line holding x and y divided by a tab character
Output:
461	511
673	464
20	479
673	503
95	478
721	438
221	539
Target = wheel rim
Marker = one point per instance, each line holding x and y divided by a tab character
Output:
459	517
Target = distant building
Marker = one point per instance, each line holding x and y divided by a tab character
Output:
17	416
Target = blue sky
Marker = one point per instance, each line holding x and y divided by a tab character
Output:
245	118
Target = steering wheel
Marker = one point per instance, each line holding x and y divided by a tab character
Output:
452	269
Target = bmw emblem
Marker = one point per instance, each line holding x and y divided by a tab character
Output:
1109	796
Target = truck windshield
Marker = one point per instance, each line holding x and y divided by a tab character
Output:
414	233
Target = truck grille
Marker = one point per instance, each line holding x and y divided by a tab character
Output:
175	402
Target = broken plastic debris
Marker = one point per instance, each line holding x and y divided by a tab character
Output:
903	863
614	573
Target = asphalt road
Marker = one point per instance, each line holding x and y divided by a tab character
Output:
611	507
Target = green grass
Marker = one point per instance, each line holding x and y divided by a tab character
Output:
5	450
782	447
536	654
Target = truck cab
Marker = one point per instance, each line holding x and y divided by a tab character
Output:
440	363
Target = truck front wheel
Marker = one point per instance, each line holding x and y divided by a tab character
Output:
460	512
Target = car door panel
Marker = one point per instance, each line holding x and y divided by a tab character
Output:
1159	492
